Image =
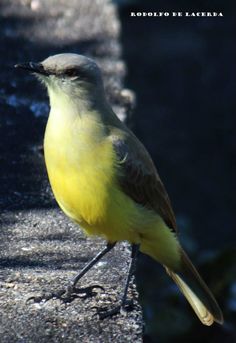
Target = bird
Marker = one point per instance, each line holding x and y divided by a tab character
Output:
104	179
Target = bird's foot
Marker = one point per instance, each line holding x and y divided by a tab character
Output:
67	295
104	312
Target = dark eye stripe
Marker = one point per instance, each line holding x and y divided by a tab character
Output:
71	72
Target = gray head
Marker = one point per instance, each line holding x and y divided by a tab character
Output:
72	74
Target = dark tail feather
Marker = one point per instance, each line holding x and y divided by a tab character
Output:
196	292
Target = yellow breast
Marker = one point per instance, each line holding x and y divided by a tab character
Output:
80	165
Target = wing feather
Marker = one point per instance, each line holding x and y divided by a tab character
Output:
138	176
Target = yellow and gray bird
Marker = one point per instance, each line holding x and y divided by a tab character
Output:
104	179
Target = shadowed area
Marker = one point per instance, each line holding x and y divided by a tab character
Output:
183	72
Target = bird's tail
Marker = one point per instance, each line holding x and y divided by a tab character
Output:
196	292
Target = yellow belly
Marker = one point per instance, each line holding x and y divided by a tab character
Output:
82	176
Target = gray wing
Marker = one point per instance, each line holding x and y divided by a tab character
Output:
138	177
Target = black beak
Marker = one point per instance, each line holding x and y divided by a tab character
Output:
33	67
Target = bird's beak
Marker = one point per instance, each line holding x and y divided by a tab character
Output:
33	67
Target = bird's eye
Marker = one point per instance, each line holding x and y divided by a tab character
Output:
71	72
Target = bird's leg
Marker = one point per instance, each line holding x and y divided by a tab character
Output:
132	265
71	292
92	263
103	312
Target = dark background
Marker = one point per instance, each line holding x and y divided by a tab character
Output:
183	73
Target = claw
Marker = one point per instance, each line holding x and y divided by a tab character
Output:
67	295
86	292
47	296
104	312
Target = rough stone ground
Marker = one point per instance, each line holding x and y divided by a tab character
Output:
40	249
41	252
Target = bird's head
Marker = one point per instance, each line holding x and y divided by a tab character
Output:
72	75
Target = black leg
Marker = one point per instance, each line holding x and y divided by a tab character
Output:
71	292
91	264
104	313
134	254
